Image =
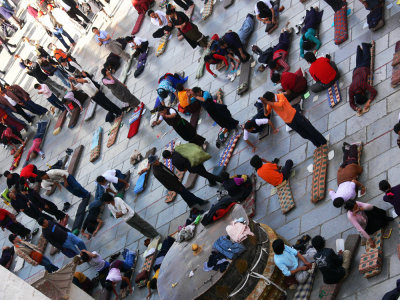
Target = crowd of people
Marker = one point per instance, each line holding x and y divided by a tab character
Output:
65	84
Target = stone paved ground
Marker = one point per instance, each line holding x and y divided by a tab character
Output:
380	156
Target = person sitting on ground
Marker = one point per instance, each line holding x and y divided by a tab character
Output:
270	171
159	19
166	245
360	87
12	179
334	267
216	49
323	71
6	258
392	194
293	84
215	59
257	124
187	104
31	253
183	164
116	268
61	237
11	137
34	150
84	283
346	191
366	218
139	45
265	12
281	52
291	262
120	181
167	87
95	260
93	220
308	40
238	187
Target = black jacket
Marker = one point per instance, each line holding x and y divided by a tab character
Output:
55	234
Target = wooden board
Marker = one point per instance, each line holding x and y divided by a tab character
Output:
60	122
244	78
73	165
90	110
74	117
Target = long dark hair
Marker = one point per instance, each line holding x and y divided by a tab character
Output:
307	44
265	12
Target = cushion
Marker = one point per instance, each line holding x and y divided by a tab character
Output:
143	165
194	153
244	77
139	187
171	195
229	148
319	173
200	68
162	44
96	144
370	261
60	122
114	131
138	24
334	96
303	291
168	162
135	120
340	22
208	9
285	196
73	165
328	291
90	110
249	204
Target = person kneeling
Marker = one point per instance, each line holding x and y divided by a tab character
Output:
334	267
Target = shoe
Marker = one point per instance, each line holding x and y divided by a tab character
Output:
204	202
69	151
256	49
298	28
213	183
67	205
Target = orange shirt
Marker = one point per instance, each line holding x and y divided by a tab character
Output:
283	108
269	172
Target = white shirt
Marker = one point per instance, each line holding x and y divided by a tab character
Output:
45	20
138	41
171	112
163	18
11	101
55	175
44	89
110	177
121	206
267	2
88	87
346	190
64	5
259	122
70	96
97	262
114	275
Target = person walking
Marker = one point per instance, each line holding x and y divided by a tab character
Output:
19	95
120	209
118	89
50	68
104	39
172	183
31	253
293	118
9	221
43	89
61	238
71	7
8	100
7	45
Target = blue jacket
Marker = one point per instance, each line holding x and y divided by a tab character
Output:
228	248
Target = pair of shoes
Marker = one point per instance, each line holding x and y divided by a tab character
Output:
67	205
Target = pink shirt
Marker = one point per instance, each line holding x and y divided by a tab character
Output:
44	89
360	220
35	147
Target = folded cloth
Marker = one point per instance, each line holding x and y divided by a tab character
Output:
238	232
221	204
216	262
228	248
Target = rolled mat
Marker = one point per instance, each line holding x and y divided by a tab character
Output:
319	173
285	196
162	45
138	24
96	145
135	120
114	131
340	23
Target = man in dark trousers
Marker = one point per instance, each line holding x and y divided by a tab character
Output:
61	238
182	164
9	221
21	203
171	182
